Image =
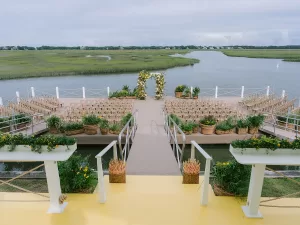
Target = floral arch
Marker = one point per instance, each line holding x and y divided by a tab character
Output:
141	84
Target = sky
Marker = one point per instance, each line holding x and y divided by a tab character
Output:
149	22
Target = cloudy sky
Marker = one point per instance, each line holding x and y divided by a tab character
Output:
149	22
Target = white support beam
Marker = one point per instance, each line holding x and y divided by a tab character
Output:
242	93
83	92
1	101
57	92
32	92
216	93
268	90
108	91
205	187
101	187
18	96
283	94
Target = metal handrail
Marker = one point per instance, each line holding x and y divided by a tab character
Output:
205	188
130	134
172	136
101	187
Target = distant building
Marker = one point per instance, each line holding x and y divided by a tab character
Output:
82	48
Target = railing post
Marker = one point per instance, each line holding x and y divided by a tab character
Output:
107	91
18	97
101	187
32	92
243	90
205	189
268	90
191	92
193	152
283	94
1	101
57	92
216	93
115	152
83	92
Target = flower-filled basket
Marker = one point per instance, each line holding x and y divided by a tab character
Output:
191	171
117	171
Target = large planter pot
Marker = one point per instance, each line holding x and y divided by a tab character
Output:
104	131
24	153
90	129
265	151
53	130
253	130
188	132
207	129
195	130
74	132
178	94
241	131
220	132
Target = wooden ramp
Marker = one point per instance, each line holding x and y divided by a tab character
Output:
151	153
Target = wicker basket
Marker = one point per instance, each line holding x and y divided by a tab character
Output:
117	178
104	131
220	132
190	178
187	132
74	132
242	131
253	130
195	130
207	129
220	192
178	94
90	129
53	130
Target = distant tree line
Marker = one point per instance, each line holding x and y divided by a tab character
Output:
145	47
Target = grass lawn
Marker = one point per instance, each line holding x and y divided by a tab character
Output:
275	187
24	64
292	55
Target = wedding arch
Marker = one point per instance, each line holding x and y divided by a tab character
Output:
141	84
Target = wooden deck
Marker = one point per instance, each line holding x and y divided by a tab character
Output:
151	153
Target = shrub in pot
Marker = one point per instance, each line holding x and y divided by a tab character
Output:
90	123
195	127
22	120
225	127
117	171
176	119
242	126
187	128
186	93
255	122
73	128
191	171
196	92
179	91
114	128
4	125
208	125
104	126
54	124
125	119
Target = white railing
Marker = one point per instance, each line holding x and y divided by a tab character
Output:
205	185
130	129
101	185
172	128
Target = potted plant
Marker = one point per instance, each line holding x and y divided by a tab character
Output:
195	127
208	125
54	123
196	92
114	95
21	120
187	128
242	126
125	119
117	171
186	93
90	123
73	128
104	126
191	171
255	122
114	128
123	94
176	119
179	91
4	125
225	127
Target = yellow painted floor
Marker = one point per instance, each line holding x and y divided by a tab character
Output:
144	200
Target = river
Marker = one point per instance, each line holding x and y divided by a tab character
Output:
214	69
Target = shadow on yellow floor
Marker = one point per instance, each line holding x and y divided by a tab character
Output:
144	200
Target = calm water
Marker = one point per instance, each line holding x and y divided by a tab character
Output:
214	69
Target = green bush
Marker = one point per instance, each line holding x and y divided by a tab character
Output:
115	127
54	122
76	175
125	119
180	88
104	124
256	120
21	118
196	91
73	126
226	125
90	120
232	177
4	123
176	119
242	123
187	127
208	120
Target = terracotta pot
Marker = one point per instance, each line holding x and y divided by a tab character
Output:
53	130
207	129
104	131
178	94
242	131
74	132
90	129
195	130
220	132
253	130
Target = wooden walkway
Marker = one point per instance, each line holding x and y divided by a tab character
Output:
151	153
280	133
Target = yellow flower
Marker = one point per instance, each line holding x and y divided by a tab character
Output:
77	172
278	145
80	168
87	177
84	175
85	169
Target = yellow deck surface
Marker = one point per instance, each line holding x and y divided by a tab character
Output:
144	200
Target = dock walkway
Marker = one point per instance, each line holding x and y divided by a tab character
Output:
151	153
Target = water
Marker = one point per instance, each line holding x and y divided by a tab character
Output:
214	69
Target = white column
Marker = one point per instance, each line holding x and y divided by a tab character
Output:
1	101
57	92
83	92
32	92
193	152
268	90
205	187
18	97
216	94
101	187
191	92
283	94
54	190
115	153
243	90
107	91
254	193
